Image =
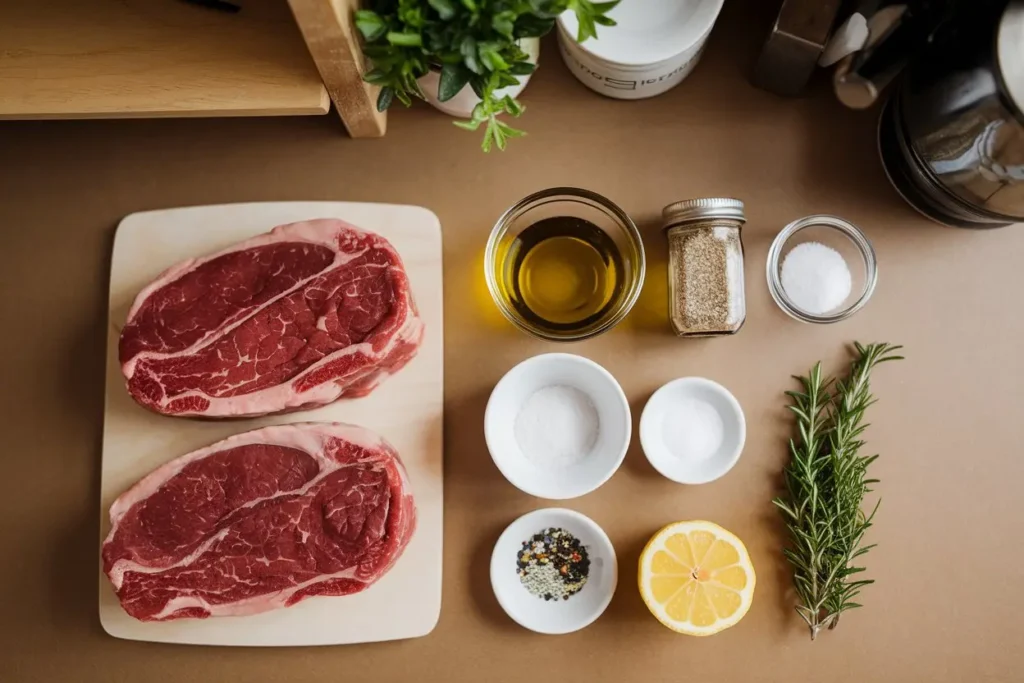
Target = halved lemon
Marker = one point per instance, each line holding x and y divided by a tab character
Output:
696	578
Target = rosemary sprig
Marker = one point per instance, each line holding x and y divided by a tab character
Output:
826	481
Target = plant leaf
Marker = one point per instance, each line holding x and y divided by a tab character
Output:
530	26
380	53
490	57
468	50
493	61
477	84
479	112
512	106
384	99
377	77
504	23
587	28
405	39
454	78
511	132
604	7
547	9
489	136
505	79
403	97
370	24
445	8
522	68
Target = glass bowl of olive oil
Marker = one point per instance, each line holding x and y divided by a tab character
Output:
564	264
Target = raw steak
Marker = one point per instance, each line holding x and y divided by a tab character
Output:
259	521
295	318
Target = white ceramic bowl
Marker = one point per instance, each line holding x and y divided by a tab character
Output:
552	369
555	616
659	409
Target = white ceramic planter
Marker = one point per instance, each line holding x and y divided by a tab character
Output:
461	106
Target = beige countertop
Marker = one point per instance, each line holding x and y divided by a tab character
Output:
946	606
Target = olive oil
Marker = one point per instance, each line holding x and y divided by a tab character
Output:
562	273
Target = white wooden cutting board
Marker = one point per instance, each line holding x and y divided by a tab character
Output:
406	409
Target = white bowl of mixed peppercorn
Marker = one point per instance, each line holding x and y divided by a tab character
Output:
554	571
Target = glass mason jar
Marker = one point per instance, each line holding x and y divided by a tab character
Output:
705	266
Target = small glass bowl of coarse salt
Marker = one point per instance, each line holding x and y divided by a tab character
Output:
821	269
557	425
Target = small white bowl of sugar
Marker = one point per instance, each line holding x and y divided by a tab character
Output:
557	425
692	430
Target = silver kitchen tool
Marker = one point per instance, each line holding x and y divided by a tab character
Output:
951	136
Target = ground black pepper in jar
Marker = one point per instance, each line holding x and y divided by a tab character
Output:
705	266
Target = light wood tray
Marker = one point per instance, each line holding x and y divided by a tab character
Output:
406	409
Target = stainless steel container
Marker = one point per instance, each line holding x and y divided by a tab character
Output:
952	135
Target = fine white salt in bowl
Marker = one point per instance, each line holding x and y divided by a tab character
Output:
555	616
688	462
531	473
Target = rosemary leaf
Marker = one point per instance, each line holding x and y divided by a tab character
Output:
826	481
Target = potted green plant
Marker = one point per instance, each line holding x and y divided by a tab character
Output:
476	44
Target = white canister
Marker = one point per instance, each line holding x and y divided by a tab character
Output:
653	47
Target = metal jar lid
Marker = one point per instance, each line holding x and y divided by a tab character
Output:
690	210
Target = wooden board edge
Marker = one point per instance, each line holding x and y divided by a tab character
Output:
320	109
333	42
